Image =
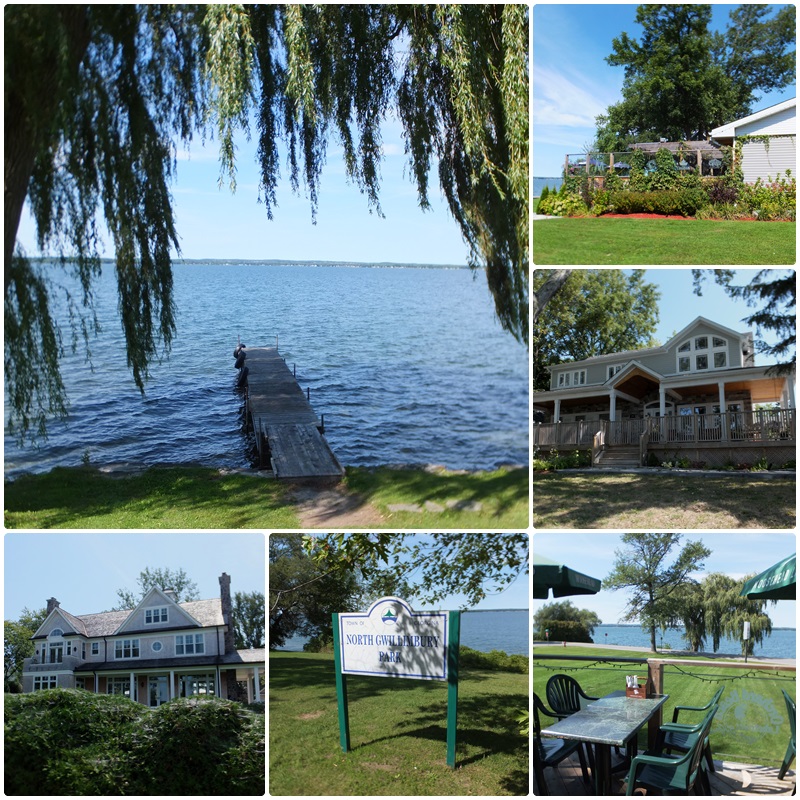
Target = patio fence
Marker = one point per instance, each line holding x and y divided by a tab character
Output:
598	165
749	710
741	427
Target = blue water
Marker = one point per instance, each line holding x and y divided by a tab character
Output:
551	183
408	365
480	630
781	644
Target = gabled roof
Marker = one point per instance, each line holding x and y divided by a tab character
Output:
729	129
633	366
682	334
147	601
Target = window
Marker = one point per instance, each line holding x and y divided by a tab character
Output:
55	633
701	343
717	342
614	369
156	647
699	356
702	362
45	682
685	347
118	686
153	615
579	377
720	360
95	648
190	644
126	648
684	364
563	379
196	685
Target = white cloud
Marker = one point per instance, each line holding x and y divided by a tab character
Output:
559	100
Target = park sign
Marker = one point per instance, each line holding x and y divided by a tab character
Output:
391	640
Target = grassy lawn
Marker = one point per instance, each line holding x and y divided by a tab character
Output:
501	495
397	733
644	241
198	497
562	500
751	725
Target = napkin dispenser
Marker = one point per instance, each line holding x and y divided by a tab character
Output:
633	689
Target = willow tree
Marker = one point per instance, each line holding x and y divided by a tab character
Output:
99	98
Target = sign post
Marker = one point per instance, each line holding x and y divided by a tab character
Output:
391	640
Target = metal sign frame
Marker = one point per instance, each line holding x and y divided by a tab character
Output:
453	636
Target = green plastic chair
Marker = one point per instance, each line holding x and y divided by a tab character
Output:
791	750
664	774
550	752
675	735
565	695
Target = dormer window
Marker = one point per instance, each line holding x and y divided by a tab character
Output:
577	378
695	355
154	615
613	370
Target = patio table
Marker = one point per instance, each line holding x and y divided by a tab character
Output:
611	721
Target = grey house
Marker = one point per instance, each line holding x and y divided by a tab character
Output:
160	650
697	395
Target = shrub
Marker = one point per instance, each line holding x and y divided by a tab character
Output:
544	194
563	630
562	205
495	660
679	201
719	192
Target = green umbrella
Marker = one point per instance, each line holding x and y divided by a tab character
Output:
563	580
776	583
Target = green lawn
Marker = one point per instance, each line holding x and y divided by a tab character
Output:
751	725
644	241
202	497
603	500
397	733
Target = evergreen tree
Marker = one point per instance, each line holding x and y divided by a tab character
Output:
99	97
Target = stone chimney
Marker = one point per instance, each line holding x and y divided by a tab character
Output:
52	603
227	611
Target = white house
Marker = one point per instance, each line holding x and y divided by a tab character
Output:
767	158
153	653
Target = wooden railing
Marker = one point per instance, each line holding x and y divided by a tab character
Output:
742	427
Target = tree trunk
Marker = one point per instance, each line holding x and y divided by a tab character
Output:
541	298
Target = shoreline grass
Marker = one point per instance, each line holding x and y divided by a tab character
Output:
751	725
651	502
204	497
643	242
397	731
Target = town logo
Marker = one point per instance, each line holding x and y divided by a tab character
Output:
389	617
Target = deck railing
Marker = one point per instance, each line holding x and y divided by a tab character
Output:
741	427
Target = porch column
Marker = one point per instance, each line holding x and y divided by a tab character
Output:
612	413
133	686
557	409
723	410
172	684
257	684
662	401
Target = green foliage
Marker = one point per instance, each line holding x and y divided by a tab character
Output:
159	578
685	202
642	569
493	660
771	200
159	74
563	205
563	630
248	619
543	195
73	742
666	174
17	645
565	611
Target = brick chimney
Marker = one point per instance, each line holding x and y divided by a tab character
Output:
52	603
227	611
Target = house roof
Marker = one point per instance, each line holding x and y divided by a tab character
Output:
729	129
207	612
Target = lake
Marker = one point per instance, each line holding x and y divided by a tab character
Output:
480	630
551	183
781	644
408	365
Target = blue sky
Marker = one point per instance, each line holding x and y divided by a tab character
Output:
734	554
213	223
572	83
84	570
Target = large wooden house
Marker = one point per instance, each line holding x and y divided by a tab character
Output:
160	650
700	396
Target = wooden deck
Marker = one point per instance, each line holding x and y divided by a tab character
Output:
288	431
729	779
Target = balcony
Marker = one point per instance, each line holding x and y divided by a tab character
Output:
35	664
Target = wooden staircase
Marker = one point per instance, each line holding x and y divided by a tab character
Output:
619	456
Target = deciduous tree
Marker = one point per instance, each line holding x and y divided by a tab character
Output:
160	578
564	610
643	568
249	613
98	98
17	644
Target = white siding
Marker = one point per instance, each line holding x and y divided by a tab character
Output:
760	162
784	121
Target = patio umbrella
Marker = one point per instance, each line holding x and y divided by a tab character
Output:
563	580
776	583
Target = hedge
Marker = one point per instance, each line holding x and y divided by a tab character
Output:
685	202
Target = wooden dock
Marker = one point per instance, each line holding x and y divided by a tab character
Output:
288	432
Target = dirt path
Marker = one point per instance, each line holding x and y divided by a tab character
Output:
333	507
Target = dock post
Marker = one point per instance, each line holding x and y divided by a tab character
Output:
308	393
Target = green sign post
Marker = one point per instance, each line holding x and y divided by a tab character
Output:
391	640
